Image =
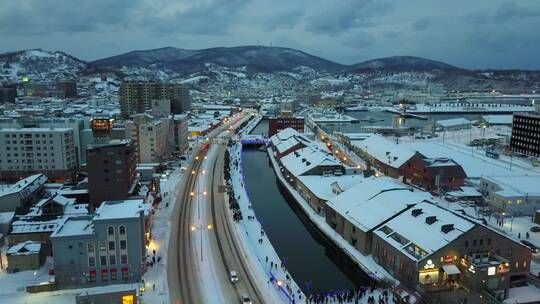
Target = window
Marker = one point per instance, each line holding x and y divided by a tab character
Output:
110	230
104	275
466	243
474	242
122	230
489	241
103	260
123	259
113	274
123	244
112	259
91	261
481	242
102	246
92	277
111	245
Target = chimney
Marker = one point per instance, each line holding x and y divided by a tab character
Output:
431	219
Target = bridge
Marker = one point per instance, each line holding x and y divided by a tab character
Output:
256	140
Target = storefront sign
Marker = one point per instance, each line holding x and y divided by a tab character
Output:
429	265
491	271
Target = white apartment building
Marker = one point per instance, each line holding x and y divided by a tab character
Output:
153	138
27	151
181	133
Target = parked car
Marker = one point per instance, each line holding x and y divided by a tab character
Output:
245	299
530	245
535	229
233	276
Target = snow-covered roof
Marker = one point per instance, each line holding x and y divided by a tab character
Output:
498	119
328	187
411	231
515	185
131	208
307	158
283	135
26	186
386	151
453	122
72	226
25	248
474	165
465	192
372	201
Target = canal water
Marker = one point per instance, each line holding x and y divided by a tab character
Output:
313	261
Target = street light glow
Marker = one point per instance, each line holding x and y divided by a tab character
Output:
209	227
193	228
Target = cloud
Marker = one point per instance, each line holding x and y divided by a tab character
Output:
336	17
212	17
508	10
52	16
282	20
422	24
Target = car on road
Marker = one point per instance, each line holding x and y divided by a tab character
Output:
530	245
535	229
233	276
245	299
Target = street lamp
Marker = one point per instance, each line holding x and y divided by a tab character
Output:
201	229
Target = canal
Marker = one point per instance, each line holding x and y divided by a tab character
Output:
313	261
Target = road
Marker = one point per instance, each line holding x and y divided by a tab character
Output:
201	256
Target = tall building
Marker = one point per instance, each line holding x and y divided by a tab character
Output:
111	171
181	99
526	134
153	138
108	248
8	93
68	88
28	151
181	133
137	97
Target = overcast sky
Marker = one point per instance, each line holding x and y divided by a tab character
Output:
465	33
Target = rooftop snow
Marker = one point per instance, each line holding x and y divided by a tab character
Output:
28	247
372	201
516	185
385	150
418	233
323	186
305	159
130	208
71	226
454	122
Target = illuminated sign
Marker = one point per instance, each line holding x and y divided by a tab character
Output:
25	79
127	299
491	271
429	265
472	269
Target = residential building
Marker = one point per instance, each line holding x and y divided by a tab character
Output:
453	124
526	134
181	99
137	97
27	151
287	141
67	87
8	94
111	171
512	194
181	133
108	248
152	138
278	124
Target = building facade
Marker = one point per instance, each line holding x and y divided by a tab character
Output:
136	97
278	124
526	134
153	139
111	171
27	151
181	133
108	248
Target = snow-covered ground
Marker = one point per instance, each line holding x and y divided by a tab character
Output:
155	278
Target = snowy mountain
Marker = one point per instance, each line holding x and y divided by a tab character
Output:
402	63
39	64
254	58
